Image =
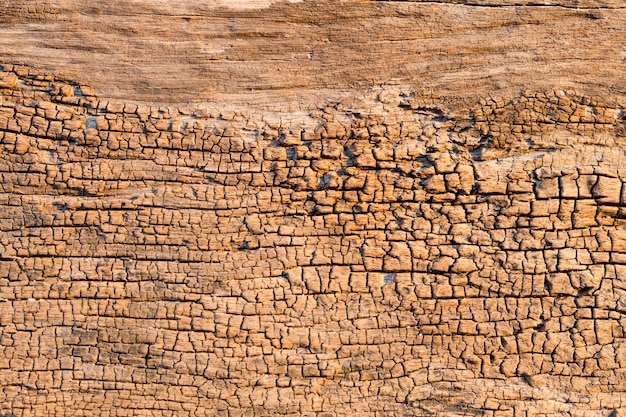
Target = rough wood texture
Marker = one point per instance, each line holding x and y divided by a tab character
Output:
331	209
294	55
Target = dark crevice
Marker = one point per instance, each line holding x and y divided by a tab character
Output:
510	4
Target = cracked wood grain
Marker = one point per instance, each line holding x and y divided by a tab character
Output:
313	208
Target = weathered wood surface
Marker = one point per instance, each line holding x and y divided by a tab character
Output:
312	208
308	52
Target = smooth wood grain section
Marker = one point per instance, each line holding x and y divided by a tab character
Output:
303	54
